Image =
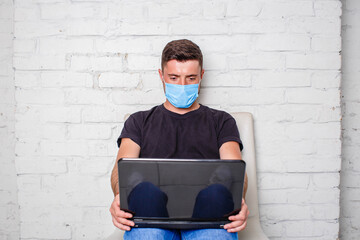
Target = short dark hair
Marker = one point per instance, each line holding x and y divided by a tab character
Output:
181	50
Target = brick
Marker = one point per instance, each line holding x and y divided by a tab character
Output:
326	43
5	11
89	131
24	46
34	230
87	27
325	211
97	63
328	146
326	180
220	62
137	97
150	80
313	61
243	8
6	26
61	114
7	95
313	130
327	8
272	229
233	79
239	96
65	79
95	165
86	96
131	11
214	10
351	180
315	25
234	62
24	131
39	96
39	62
32	29
143	28
282	181
61	46
141	62
100	114
173	10
271	61
97	230
28	148
326	79
6	41
282	42
54	214
257	25
281	9
313	229
27	13
188	27
53	132
100	148
73	11
68	148
281	79
311	163
40	165
122	80
294	212
314	96
124	45
221	44
27	79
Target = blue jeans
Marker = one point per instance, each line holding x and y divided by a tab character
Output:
218	202
164	234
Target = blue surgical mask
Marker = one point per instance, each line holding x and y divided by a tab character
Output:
181	96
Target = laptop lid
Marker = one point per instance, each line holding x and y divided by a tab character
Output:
180	193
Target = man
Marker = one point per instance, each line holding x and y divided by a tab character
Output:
179	128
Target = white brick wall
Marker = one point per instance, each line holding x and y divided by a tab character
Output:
350	180
81	67
9	208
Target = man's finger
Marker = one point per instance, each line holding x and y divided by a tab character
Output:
122	214
120	226
238	228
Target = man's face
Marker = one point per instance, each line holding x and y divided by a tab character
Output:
182	73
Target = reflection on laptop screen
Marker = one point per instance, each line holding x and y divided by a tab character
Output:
181	189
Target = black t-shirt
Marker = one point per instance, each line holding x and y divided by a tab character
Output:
198	134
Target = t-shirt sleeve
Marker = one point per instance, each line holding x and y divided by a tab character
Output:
131	130
228	131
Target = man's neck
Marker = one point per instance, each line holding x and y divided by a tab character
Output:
171	108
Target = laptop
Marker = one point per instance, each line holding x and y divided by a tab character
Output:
180	193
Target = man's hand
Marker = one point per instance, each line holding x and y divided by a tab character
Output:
119	217
238	221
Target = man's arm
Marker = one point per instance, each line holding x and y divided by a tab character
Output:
128	148
231	150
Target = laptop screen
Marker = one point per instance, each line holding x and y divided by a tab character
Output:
187	189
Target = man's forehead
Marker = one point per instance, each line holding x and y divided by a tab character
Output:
175	65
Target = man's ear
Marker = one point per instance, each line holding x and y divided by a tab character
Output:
160	74
201	77
161	78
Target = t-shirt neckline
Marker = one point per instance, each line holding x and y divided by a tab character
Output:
186	115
